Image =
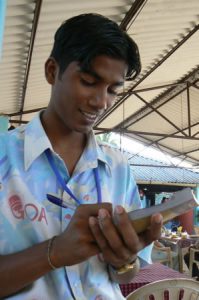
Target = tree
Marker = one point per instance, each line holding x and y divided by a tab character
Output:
107	138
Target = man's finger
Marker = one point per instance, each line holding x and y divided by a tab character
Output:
93	209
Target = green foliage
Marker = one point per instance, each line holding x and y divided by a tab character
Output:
107	138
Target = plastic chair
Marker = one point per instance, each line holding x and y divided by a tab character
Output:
196	229
166	257
192	259
167	289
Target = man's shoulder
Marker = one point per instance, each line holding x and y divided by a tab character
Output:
8	138
112	150
4	138
107	146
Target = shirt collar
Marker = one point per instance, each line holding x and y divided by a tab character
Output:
93	153
35	141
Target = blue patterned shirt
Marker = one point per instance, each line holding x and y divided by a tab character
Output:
27	217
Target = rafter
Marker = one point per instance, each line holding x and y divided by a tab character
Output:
159	63
124	130
133	12
30	50
159	113
168	95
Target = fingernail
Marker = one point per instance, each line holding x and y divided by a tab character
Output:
102	213
92	221
119	209
158	218
101	257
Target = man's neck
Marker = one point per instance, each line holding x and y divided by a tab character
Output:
68	144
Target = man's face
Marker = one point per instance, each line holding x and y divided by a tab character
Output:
79	97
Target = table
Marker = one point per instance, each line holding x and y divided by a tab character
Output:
180	243
148	274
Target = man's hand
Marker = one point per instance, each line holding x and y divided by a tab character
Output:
93	230
117	240
77	243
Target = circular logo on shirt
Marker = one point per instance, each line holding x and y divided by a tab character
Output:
16	206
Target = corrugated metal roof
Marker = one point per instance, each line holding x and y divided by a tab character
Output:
146	170
159	108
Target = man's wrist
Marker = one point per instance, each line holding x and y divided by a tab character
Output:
130	267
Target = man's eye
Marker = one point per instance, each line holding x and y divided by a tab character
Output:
113	92
87	82
116	90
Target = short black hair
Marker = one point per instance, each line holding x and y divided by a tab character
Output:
83	37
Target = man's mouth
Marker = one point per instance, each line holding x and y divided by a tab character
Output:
91	117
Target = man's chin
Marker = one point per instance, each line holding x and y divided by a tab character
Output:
84	129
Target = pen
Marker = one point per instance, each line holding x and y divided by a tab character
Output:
57	201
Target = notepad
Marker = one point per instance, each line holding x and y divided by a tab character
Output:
179	203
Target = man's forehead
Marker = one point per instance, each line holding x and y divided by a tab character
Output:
100	68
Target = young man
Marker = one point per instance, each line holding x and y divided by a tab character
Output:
80	251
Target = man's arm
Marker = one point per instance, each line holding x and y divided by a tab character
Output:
75	245
21	269
119	242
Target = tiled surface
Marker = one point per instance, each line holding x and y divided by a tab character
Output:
148	274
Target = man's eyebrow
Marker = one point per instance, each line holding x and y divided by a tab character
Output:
98	77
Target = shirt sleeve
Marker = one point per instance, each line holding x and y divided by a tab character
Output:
135	203
132	194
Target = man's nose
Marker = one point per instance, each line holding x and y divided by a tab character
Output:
100	100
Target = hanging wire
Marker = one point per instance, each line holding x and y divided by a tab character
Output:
182	141
123	118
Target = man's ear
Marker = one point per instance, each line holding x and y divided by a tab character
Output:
51	70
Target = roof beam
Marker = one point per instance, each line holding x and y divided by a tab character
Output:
161	166
122	130
187	152
19	113
159	63
18	121
168	149
175	90
29	58
133	12
159	113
